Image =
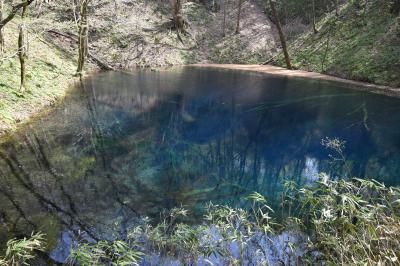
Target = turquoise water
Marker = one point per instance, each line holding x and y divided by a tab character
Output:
127	145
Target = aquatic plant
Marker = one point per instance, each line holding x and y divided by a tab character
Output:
336	145
335	222
353	222
117	253
348	222
21	251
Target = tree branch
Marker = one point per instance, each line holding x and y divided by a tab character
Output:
14	11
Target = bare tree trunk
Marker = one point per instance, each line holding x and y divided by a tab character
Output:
326	53
24	10
82	36
237	31
22	48
22	55
177	14
15	9
280	32
313	17
224	19
1	30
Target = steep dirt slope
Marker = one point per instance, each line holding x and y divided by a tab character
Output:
362	43
130	33
256	42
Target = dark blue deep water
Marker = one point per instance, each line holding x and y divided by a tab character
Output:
126	144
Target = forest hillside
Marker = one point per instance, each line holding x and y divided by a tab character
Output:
361	43
140	33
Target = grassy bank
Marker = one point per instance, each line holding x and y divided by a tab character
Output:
361	43
49	74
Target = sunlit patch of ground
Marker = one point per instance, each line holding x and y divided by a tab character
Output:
49	74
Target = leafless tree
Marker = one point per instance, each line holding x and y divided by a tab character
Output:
82	36
14	11
240	3
22	55
313	17
22	48
177	14
224	18
280	32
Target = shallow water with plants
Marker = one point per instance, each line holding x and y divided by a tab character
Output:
129	145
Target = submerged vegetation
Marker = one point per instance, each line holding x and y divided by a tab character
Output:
22	251
353	222
93	191
339	222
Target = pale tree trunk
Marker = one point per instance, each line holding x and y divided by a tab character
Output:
326	53
313	17
240	2
82	36
1	30
280	32
224	18
22	55
24	10
177	14
22	49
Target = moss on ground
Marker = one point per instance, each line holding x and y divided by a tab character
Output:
362	43
49	74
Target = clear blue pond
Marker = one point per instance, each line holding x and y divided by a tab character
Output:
123	145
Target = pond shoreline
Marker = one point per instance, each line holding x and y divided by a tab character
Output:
283	72
38	110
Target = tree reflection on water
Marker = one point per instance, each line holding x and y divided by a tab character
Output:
123	146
